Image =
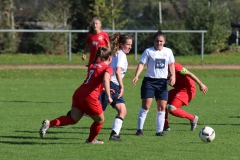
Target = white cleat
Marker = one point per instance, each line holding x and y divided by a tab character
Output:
194	122
44	128
95	141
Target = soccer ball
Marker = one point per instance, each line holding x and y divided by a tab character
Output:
207	134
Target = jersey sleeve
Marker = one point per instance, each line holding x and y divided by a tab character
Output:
179	68
171	57
88	38
144	57
106	38
121	60
109	70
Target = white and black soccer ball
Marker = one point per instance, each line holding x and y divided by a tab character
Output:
207	134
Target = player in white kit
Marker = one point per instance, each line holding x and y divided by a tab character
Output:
154	84
122	45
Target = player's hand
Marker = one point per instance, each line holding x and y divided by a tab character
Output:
134	81
203	89
110	100
111	91
84	57
120	92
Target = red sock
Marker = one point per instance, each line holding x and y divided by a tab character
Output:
94	131
62	121
182	114
166	119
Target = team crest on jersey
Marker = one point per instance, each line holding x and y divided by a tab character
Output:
159	63
100	38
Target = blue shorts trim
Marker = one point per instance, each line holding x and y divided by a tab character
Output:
154	87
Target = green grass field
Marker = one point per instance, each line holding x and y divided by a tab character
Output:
29	96
225	58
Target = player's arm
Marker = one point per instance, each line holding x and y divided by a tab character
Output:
86	49
138	72
119	78
106	85
202	87
108	45
172	78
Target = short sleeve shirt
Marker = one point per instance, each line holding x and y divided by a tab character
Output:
157	62
119	60
93	84
96	40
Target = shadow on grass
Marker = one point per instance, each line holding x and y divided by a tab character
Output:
18	101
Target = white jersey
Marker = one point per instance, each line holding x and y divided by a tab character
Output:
119	60
157	62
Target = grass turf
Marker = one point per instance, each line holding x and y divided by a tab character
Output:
29	96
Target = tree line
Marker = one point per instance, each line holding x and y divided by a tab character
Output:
215	16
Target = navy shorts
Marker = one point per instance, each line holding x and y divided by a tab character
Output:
154	87
114	96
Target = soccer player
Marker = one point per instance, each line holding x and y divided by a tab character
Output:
122	45
85	98
158	59
182	93
95	38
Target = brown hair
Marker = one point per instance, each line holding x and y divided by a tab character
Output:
159	34
102	54
117	39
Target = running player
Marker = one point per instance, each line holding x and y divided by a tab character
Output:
122	45
182	93
85	98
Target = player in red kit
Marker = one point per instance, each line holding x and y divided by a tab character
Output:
85	98
182	93
95	38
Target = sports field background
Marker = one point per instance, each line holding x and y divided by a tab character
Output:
30	95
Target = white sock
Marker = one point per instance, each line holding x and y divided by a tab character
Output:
160	120
141	117
117	125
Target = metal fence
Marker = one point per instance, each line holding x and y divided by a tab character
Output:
114	31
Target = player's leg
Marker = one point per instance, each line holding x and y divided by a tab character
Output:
95	129
161	95
142	115
76	115
175	109
147	95
160	117
117	123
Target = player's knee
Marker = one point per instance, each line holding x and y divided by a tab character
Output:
171	108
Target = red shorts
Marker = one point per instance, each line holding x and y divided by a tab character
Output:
179	98
87	104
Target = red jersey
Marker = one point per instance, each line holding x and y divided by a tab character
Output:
96	40
184	87
86	96
182	81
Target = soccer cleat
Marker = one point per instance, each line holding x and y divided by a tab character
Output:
44	128
139	132
193	123
167	129
95	141
160	134
115	137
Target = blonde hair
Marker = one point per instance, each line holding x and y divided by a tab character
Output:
91	30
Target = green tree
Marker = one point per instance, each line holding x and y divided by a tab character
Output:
55	17
8	41
110	12
212	16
